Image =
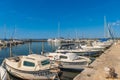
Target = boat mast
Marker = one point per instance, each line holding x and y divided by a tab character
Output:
10	48
42	48
13	33
4	31
58	30
30	52
76	34
110	31
105	27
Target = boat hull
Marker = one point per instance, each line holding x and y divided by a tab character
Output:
39	75
3	73
73	65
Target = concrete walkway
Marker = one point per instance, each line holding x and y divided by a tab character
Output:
110	58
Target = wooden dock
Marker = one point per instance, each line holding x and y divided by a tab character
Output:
110	58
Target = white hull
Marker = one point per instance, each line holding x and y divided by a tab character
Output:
69	60
74	65
31	67
97	48
103	44
3	73
77	51
42	75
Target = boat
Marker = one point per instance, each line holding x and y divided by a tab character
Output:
3	73
71	47
56	40
69	61
1	43
92	47
49	40
17	41
31	67
103	43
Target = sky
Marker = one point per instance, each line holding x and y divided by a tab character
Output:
40	18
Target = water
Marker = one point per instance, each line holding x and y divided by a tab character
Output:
36	48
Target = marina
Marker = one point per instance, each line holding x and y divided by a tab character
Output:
59	40
37	47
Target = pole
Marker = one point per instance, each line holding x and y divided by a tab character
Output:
30	48
105	27
10	49
58	30
42	48
4	31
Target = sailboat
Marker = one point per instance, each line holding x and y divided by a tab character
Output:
106	41
58	39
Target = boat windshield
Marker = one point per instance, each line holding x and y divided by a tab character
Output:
28	64
45	62
63	57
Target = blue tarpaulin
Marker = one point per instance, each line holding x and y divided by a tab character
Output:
103	39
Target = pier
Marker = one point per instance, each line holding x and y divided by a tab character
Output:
97	70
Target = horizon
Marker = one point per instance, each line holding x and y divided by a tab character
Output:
37	19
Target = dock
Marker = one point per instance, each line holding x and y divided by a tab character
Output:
96	70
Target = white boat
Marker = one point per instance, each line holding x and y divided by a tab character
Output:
50	40
1	43
31	67
69	60
3	73
74	48
56	40
92	47
17	41
104	44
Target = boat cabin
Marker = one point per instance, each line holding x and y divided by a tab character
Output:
31	62
62	56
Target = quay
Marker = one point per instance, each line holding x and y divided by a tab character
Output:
6	43
97	69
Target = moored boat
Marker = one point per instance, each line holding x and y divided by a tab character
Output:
74	49
31	67
69	60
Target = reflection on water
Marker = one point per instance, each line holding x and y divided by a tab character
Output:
68	75
36	47
54	44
